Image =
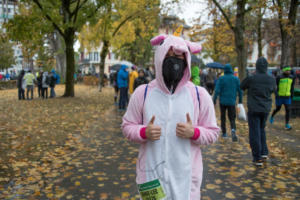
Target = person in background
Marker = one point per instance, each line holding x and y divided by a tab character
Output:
227	88
7	76
39	83
148	74
132	76
284	95
195	78
122	80
30	79
21	83
202	78
45	85
113	77
260	86
210	81
52	83
140	80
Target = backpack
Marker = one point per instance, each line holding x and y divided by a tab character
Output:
47	81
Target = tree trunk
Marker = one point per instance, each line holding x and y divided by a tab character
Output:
285	50
285	37
69	41
239	30
103	55
6	18
58	49
294	51
259	34
215	43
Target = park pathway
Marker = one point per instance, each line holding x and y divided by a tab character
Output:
97	162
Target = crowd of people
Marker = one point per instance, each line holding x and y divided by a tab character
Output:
126	80
27	81
170	116
260	87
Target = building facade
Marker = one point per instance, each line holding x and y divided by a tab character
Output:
89	61
8	8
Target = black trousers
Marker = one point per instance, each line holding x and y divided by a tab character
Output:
40	90
45	93
123	97
231	115
257	134
287	112
21	93
210	88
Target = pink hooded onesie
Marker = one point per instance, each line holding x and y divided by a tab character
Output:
176	162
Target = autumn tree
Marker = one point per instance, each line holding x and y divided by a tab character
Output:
286	11
6	52
68	17
115	26
22	29
238	27
218	38
139	51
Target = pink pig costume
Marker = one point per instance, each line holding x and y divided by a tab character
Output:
176	162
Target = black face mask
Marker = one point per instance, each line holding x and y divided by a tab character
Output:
173	70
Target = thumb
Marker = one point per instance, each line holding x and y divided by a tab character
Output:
188	118
152	120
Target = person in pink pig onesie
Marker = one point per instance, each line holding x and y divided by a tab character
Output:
171	117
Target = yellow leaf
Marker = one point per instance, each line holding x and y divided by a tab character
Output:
37	193
77	183
229	195
103	196
211	186
125	194
280	185
247	190
218	181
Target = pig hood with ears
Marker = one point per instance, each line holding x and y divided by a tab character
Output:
163	43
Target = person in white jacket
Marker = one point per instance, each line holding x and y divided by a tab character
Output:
45	85
170	117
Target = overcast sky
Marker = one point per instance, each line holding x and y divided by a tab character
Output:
189	10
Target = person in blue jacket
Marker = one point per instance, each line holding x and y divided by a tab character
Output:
122	82
227	88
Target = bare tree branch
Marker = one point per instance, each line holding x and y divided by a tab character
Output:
76	10
224	14
49	18
121	24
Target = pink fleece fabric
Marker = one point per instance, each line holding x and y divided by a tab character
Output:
206	129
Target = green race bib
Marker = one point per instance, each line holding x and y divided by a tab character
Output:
151	190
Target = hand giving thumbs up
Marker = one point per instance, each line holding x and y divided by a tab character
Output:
185	130
153	132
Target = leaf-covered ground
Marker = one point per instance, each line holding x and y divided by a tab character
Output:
73	149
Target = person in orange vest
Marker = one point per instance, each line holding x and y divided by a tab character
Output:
132	76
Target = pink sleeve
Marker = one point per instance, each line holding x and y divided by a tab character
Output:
206	123
132	120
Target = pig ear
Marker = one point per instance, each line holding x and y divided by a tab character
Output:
194	47
158	40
